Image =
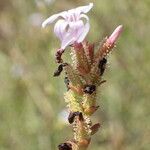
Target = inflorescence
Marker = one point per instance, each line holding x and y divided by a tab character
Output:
84	75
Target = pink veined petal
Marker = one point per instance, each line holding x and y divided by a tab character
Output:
72	34
73	15
76	28
67	41
84	32
77	11
84	9
75	25
71	11
85	29
60	28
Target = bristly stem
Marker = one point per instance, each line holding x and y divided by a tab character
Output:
83	76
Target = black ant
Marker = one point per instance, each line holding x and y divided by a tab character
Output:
72	115
89	89
65	146
59	69
102	65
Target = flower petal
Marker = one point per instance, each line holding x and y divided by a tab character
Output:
85	29
76	28
60	28
52	18
84	9
67	41
84	32
73	33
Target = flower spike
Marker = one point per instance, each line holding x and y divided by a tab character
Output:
83	75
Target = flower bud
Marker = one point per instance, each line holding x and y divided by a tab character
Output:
114	36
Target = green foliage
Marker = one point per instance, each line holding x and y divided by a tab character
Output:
31	99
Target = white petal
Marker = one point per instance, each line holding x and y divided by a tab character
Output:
76	28
60	28
84	9
75	25
64	14
73	33
67	41
72	11
52	18
84	32
85	29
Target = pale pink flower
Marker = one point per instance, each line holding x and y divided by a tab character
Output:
70	27
114	36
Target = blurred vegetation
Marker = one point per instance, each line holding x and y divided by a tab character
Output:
31	100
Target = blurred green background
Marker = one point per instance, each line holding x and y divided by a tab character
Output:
32	108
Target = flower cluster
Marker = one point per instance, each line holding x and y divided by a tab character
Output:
84	75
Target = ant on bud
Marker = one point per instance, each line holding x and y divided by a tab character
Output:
65	146
89	89
72	115
59	69
102	65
